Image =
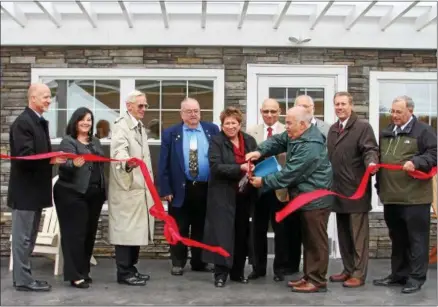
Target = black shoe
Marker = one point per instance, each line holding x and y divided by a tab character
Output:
34	286
388	282
278	277
132	281
219	283
89	280
142	276
240	279
255	275
411	288
43	282
176	270
80	285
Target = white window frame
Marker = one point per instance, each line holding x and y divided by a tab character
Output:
376	77
127	79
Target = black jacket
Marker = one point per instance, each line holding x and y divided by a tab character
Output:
78	178
417	143
30	182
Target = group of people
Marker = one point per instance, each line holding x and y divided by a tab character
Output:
200	169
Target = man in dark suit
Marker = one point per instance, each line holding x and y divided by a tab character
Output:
183	177
30	184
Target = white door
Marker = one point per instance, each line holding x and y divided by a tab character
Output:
285	89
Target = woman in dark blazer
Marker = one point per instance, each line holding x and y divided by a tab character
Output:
79	195
228	210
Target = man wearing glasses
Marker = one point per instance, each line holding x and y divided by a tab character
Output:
287	233
129	201
183	173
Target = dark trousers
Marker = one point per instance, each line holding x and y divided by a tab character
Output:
126	259
190	218
409	227
353	235
241	242
315	243
287	240
25	226
78	216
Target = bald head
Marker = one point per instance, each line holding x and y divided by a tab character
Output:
306	102
298	120
270	111
190	112
39	97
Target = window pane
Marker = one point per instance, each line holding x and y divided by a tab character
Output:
170	118
80	93
279	94
152	90
151	121
207	116
202	91
107	94
103	122
173	93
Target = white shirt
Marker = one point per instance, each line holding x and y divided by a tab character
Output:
313	121
344	123
39	115
265	130
402	127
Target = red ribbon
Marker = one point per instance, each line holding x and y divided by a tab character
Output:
305	198
171	231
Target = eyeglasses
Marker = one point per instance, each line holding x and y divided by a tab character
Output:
398	112
270	111
190	112
143	106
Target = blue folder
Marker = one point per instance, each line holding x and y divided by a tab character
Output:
267	167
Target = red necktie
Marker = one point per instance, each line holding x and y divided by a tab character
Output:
269	132
341	128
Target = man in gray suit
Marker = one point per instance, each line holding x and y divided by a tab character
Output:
306	102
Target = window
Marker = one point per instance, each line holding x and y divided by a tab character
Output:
385	86
104	91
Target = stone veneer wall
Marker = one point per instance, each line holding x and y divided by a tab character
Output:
17	62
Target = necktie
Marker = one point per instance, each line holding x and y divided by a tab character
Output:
139	129
193	157
398	130
269	132
341	128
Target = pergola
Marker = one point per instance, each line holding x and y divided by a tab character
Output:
329	24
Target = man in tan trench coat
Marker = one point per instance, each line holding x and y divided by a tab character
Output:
130	224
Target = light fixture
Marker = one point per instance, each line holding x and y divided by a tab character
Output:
299	40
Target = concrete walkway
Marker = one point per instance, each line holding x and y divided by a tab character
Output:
194	288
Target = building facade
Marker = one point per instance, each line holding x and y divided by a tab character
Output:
235	53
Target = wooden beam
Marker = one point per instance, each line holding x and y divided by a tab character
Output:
357	13
126	13
320	11
243	14
164	14
12	10
426	19
88	12
395	13
49	9
280	17
204	14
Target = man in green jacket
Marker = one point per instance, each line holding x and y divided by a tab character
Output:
413	144
307	169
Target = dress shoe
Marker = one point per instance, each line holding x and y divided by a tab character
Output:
255	275
176	270
278	277
219	283
240	279
82	284
142	276
294	283
389	281
34	286
411	288
339	277
43	282
89	280
308	287
132	281
353	282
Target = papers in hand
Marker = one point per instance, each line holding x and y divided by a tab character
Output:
264	168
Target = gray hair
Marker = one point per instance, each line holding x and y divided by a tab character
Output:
409	102
132	96
310	99
189	99
300	114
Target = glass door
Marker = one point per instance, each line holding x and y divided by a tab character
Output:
285	89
